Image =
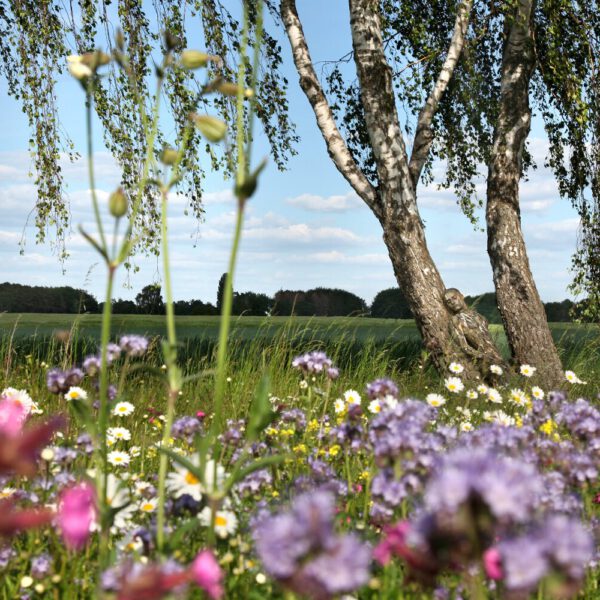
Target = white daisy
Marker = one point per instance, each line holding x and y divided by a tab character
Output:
181	481
118	458
496	369
135	451
118	433
339	406
537	392
352	397
493	395
518	397
456	368
148	506
572	378
36	410
466	426
374	406
7	492
454	385
527	370
482	388
117	496
18	397
472	395
501	418
76	393
435	400
123	409
225	521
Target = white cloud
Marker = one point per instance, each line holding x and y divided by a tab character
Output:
337	203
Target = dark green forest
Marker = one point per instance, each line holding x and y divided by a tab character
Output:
320	302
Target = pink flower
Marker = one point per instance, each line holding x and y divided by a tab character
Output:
207	574
76	512
12	417
492	563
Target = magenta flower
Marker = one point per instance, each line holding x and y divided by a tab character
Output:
207	574
492	563
12	417
76	513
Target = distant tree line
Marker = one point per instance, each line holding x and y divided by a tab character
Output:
320	302
26	298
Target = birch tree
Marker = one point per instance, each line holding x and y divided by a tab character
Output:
466	74
393	195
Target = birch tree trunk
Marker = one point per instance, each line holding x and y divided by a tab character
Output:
520	305
394	200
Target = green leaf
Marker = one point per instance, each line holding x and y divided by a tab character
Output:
94	243
261	413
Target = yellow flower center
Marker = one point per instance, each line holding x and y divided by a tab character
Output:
191	479
220	521
148	506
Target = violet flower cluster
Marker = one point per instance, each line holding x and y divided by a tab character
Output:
299	548
316	362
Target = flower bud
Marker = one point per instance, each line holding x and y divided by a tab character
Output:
117	203
211	128
231	89
169	156
194	59
78	68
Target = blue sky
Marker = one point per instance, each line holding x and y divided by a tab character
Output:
304	227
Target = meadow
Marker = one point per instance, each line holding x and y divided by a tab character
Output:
322	477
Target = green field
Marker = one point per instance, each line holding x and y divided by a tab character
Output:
361	329
395	342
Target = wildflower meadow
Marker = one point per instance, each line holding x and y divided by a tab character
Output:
282	467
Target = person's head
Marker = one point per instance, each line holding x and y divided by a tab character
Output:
455	301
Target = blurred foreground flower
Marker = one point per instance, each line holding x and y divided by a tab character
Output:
76	512
300	549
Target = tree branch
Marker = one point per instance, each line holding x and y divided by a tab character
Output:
423	135
309	82
379	103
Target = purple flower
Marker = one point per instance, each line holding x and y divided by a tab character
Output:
314	362
59	382
294	415
380	388
91	365
187	428
41	566
6	555
133	345
113	352
561	545
508	488
300	548
523	562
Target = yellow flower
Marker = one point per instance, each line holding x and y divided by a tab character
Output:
518	421
312	425
300	449
549	427
271	431
334	450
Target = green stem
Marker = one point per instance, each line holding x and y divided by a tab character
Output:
221	375
102	451
90	161
170	351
